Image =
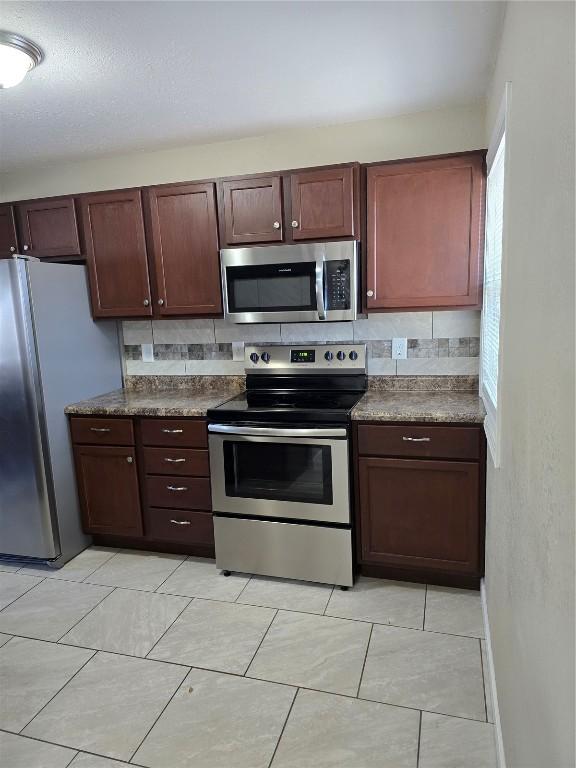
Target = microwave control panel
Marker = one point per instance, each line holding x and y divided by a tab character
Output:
337	276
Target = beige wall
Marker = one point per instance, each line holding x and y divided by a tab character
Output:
425	133
530	529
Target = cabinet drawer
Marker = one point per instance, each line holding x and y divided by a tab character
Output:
181	527
102	431
419	441
176	461
176	492
177	433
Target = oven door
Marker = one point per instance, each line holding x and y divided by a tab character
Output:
292	473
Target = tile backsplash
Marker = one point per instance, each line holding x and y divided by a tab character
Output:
439	343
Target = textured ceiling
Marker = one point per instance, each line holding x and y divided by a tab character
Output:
122	76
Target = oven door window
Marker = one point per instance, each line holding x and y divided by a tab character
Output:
278	471
272	287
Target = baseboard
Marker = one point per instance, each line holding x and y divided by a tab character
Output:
500	756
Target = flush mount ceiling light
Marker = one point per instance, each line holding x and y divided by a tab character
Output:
17	57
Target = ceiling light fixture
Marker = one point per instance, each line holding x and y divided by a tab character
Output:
17	57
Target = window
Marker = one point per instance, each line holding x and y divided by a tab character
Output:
490	341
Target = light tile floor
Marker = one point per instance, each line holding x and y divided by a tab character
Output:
139	658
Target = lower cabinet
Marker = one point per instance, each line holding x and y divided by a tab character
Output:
152	493
421	517
107	479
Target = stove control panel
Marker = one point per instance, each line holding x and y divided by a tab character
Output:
306	358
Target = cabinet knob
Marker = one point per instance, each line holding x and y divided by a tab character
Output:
129	459
146	302
160	302
295	224
25	247
12	249
276	225
370	294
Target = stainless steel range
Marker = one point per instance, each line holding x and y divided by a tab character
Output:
280	463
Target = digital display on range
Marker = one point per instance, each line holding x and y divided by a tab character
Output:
302	355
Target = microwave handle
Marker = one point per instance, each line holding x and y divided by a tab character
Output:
320	289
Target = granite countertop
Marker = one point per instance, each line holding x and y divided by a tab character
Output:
434	406
168	402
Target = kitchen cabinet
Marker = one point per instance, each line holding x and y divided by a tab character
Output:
291	206
107	480
252	210
425	226
324	203
145	482
184	249
113	226
420	502
8	237
48	227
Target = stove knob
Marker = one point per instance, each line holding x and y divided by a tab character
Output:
265	357
353	355
341	355
328	355
254	357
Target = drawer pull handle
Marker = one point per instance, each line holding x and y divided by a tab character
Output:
174	461
416	439
173	431
176	487
100	429
180	522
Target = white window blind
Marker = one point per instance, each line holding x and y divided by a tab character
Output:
491	309
493	277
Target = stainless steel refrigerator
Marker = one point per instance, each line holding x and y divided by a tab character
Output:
51	354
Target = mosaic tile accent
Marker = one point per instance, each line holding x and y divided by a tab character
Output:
379	349
209	351
132	351
171	351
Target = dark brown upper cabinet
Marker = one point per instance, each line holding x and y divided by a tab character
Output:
113	227
8	238
48	227
324	203
426	233
251	210
184	245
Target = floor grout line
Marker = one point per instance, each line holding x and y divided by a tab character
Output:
283	727
112	589
23	593
483	679
43	707
242	592
424	614
65	746
160	715
364	662
185	608
328	601
419	738
260	643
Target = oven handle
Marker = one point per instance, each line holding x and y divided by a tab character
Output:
227	429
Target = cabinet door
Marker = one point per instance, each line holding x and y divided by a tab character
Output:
49	227
108	489
425	233
185	247
419	513
116	254
8	239
252	210
323	204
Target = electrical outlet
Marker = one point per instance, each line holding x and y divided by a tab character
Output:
147	353
238	351
399	349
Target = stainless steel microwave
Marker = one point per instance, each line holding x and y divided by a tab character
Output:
290	283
